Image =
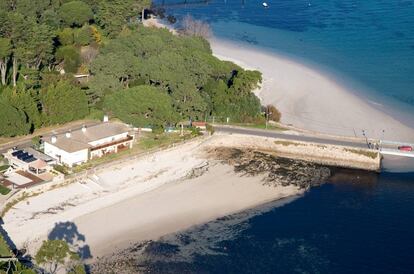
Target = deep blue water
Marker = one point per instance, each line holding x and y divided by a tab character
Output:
357	223
368	45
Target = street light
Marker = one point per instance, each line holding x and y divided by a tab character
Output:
382	138
267	117
366	139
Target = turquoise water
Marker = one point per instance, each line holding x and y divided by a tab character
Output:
368	45
356	223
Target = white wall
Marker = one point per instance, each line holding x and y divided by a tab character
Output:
66	158
109	139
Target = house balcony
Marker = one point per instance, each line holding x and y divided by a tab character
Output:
114	143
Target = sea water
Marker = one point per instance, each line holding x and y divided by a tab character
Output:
368	45
358	222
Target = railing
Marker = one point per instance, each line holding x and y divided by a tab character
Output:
127	139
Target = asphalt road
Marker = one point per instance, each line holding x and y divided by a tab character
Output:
301	138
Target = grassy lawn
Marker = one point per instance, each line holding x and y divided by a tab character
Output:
4	248
146	142
258	126
152	140
4	190
4	168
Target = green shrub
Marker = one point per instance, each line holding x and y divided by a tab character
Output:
83	36
195	131
62	169
70	57
4	190
66	37
210	129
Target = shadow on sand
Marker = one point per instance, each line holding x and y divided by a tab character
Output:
68	232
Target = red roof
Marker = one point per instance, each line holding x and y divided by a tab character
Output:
199	124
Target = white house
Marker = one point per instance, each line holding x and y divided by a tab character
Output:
29	160
78	146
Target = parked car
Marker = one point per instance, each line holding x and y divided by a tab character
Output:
405	148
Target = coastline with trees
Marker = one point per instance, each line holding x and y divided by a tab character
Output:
43	48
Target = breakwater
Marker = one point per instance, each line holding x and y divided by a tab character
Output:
323	154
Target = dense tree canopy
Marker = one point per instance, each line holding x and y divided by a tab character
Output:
142	106
182	67
63	103
75	13
144	76
12	120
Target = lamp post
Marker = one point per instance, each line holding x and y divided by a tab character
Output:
382	138
267	117
366	139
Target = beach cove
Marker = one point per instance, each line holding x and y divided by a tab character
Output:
159	194
310	100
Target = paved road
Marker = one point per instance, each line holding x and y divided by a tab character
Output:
404	162
302	138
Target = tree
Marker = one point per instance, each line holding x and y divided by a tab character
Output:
195	27
50	18
55	256
188	102
113	15
75	13
14	267
70	57
24	101
273	113
142	106
12	120
5	52
66	37
83	36
63	103
31	8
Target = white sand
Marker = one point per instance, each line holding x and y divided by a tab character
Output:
31	220
174	207
140	200
310	100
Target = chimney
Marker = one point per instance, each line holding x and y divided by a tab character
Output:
83	128
105	118
54	139
68	134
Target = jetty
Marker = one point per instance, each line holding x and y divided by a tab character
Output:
338	151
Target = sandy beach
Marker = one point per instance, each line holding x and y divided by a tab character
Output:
176	206
142	199
309	99
181	187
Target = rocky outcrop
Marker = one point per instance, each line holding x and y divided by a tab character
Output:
277	170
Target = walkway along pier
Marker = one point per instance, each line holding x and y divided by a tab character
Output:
327	150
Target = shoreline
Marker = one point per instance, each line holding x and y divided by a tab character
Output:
178	206
292	87
311	97
143	199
